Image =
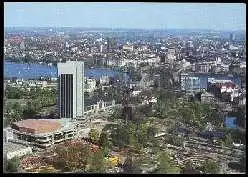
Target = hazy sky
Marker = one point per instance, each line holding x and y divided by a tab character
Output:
222	16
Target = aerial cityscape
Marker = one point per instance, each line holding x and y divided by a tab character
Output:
127	88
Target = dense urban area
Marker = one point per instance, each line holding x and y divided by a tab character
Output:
155	101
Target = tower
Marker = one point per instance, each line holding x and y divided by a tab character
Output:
71	93
232	37
108	44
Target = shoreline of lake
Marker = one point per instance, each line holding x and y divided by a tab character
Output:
36	70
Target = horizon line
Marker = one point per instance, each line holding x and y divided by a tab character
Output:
125	28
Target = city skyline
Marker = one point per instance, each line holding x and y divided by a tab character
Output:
211	16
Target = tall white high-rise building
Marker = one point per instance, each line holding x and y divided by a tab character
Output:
71	93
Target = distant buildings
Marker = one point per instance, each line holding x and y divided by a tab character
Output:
111	44
171	55
189	82
104	80
71	98
128	47
232	37
207	98
198	81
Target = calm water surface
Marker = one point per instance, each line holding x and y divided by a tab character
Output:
35	71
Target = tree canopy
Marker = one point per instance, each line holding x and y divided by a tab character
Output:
210	166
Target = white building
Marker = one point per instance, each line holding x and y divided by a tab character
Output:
135	93
31	83
104	80
111	62
71	98
41	83
171	55
243	65
54	78
90	85
128	47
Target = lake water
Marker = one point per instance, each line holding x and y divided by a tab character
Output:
35	71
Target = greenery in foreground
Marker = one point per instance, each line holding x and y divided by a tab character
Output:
210	167
134	135
13	164
79	158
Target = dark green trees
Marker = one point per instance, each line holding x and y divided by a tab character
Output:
210	166
12	165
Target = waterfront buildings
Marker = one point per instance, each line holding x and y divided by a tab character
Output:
199	81
71	92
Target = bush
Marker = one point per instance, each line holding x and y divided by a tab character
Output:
13	164
209	166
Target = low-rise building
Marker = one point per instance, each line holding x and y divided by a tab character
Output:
128	47
207	98
242	99
42	133
90	85
136	92
41	83
104	80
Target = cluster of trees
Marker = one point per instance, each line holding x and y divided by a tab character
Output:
12	165
194	114
101	139
131	165
116	115
228	140
14	93
210	167
82	158
166	165
79	158
37	99
13	112
136	135
47	97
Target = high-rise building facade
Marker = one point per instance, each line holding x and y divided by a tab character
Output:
71	93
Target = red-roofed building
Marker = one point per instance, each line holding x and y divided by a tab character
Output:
43	133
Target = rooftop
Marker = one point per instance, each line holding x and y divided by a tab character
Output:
37	125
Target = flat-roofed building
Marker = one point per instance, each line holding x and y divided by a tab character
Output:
43	133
